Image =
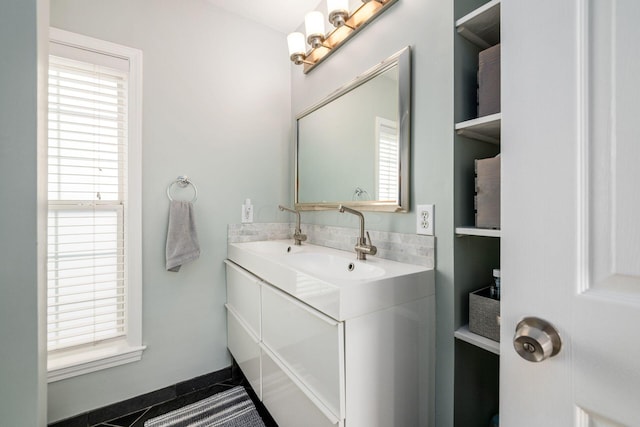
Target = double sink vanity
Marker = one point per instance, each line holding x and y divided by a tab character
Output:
326	339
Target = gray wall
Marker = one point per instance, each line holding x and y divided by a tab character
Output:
427	26
22	391
216	107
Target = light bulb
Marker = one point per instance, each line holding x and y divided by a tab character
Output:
333	5
338	11
296	43
314	25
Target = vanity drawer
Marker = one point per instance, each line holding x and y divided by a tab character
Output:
287	402
245	350
308	343
243	295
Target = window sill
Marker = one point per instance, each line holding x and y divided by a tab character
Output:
68	364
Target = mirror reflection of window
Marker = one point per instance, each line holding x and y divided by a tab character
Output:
387	159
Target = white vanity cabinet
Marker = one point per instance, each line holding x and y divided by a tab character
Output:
311	369
291	354
243	324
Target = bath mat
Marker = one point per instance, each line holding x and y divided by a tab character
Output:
231	408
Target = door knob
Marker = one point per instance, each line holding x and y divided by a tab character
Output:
536	339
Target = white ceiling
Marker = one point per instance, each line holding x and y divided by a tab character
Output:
284	16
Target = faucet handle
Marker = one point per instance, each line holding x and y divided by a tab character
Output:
372	249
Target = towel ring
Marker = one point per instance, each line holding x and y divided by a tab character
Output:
360	194
183	181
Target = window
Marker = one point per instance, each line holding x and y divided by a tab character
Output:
93	225
387	159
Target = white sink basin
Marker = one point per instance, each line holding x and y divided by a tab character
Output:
329	266
333	281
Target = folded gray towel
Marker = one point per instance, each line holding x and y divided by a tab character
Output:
182	239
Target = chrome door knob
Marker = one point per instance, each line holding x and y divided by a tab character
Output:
536	339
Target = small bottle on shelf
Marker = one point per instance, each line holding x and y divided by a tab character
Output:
495	288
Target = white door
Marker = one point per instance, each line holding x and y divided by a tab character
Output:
571	209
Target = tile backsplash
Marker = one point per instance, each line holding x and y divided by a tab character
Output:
409	248
259	231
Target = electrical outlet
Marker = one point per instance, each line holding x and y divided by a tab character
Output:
424	219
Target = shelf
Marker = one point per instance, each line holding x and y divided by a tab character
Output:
482	26
466	335
474	231
485	128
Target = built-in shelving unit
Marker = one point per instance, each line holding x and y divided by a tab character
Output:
463	333
477	358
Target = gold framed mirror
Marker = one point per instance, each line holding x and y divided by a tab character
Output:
353	147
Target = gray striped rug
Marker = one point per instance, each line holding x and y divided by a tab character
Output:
231	408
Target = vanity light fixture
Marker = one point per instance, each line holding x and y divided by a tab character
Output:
346	24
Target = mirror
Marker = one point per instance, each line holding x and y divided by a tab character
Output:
352	148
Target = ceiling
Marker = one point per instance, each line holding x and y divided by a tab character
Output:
284	16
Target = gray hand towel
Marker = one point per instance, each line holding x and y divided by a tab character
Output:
182	239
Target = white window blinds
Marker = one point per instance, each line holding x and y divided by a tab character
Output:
387	159
87	165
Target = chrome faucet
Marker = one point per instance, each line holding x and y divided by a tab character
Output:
362	247
298	237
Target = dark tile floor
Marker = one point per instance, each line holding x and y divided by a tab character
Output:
137	419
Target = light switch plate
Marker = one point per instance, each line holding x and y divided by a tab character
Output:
424	219
247	214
